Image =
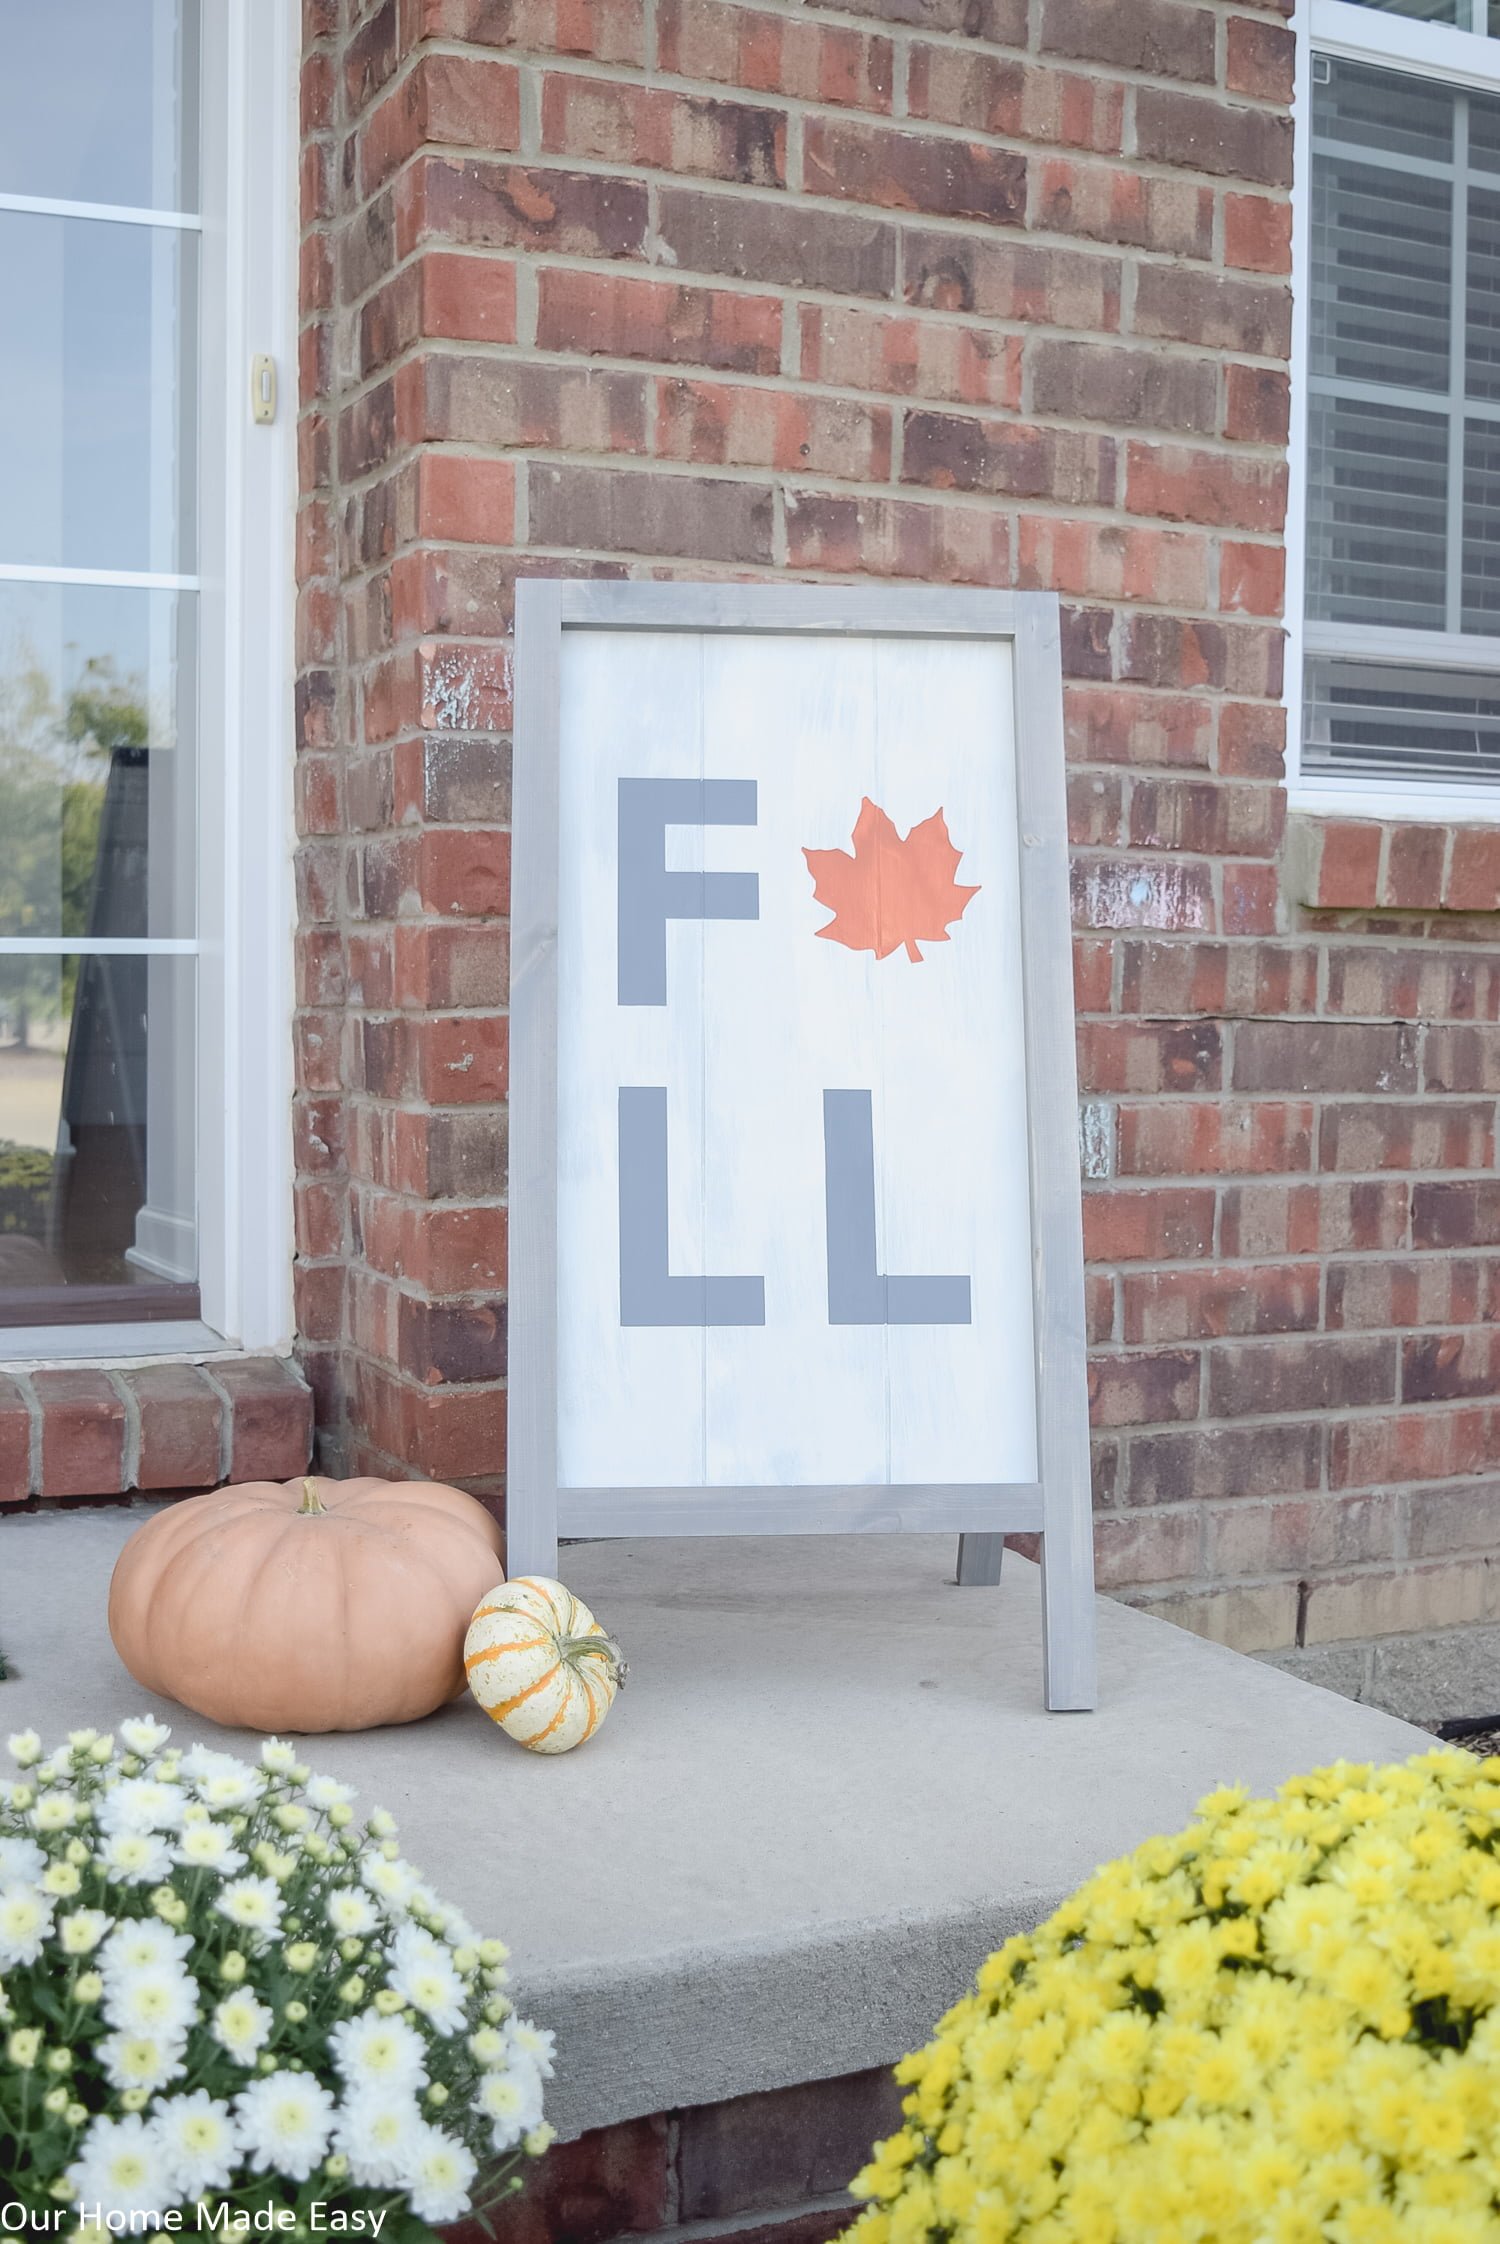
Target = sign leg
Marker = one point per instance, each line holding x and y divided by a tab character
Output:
1068	1653
531	1544
979	1559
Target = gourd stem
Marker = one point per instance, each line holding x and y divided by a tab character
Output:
310	1506
575	1648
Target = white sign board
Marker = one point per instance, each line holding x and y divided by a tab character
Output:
794	1202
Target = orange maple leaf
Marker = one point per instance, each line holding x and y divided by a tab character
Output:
891	893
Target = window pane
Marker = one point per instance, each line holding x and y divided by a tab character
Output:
1409	721
96	1133
1463	15
1377	520
1381	242
1380	110
96	447
96	761
1482	316
98	101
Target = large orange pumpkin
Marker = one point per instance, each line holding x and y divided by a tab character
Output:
305	1606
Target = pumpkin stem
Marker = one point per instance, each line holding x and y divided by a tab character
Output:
310	1506
576	1648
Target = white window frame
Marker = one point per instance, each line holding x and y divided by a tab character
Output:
246	926
1371	35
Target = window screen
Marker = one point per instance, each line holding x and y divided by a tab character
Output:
1403	519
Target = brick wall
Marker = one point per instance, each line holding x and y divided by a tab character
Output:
955	291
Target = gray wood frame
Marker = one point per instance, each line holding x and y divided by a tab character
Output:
1058	1504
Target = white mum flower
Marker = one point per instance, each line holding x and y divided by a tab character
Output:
136	1858
422	1970
284	2122
379	2133
392	1882
152	2001
220	1779
82	1931
241	2025
121	2168
20	1861
351	1913
55	1811
208	1846
512	2101
439	2176
199	2141
146	2061
24	1748
279	1757
25	1921
375	2052
326	1792
534	2045
254	1903
141	1804
144	1735
143	1944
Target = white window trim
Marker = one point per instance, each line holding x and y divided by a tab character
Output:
1372	35
246	898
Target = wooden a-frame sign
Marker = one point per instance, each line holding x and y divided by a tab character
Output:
795	1240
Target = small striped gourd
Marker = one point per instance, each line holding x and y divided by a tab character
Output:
540	1665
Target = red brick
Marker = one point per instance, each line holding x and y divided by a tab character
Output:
782	2146
849	348
1258	404
1257	234
772	241
180	1419
1215	312
614	315
1281	1377
998	279
717	424
611	511
1141	892
519	206
1474	870
1163	37
1416	1290
1324	1531
1220	1461
449	1432
1214	817
604	30
1209	135
1162	1307
1023	100
1235	979
1449	1366
615	121
1147	1547
612	2181
1111	560
1262	1220
83	1433
1111	204
1003	22
1108	725
897	538
954	452
1252	578
1381	1134
908	171
1147	1056
765	53
1148	1225
1147	1389
1260	59
1412	1445
1121	387
453	100
464	875
1252	899
1212	487
462	1058
1313	1056
1252	740
15	1442
466	500
1228	1137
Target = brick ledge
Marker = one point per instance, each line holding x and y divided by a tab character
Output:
89	1430
1391	864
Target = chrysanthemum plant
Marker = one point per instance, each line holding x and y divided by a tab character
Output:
218	1990
1281	2026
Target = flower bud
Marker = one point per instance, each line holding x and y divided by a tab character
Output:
76	2114
25	1748
301	1956
59	2060
24	2047
62	2189
232	1969
437	2095
77	1853
492	1952
134	2099
56	2100
102	1750
88	1987
351	1950
539	2139
353	1990
267	2063
389	2003
340	1814
294	2012
336	2167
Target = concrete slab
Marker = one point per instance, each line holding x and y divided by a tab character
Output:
828	1791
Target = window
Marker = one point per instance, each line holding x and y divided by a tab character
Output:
125	802
1398	353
